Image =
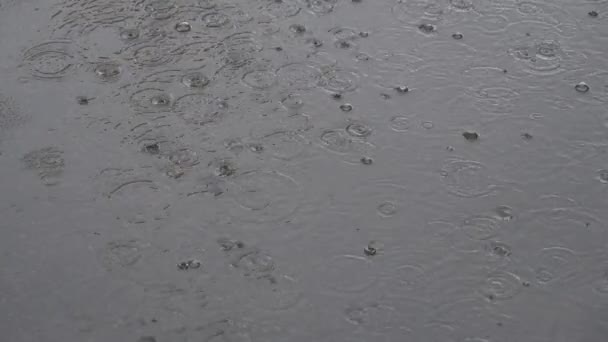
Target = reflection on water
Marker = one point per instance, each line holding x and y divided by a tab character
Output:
230	170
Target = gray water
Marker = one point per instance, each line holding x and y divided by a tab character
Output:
303	170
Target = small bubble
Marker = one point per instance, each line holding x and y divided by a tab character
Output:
82	100
367	161
470	136
581	87
346	107
402	89
457	35
184	26
527	136
129	34
427	125
593	14
364	34
189	264
297	28
426	28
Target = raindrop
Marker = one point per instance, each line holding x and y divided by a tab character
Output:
400	123
108	71
82	100
427	125
358	130
426	28
527	136
402	89
195	80
457	35
182	27
129	34
346	107
582	87
499	249
189	265
470	136
603	175
314	42
47	162
347	274
501	286
160	100
297	28
387	209
367	161
260	79
293	101
593	14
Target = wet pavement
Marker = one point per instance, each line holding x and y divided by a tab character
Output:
303	170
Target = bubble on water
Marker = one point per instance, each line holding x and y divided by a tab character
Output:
195	80
260	79
480	227
554	263
347	274
47	162
293	101
504	212
49	60
593	14
108	71
457	35
581	87
500	285
183	27
298	76
129	34
358	130
400	123
465	178
262	196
